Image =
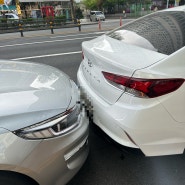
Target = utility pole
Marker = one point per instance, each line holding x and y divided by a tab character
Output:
167	3
73	11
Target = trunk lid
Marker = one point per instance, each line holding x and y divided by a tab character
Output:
107	54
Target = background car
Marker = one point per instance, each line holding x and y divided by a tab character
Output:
10	18
133	80
97	15
43	133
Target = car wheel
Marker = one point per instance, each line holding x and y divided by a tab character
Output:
11	178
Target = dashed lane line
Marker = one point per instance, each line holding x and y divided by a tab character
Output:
50	55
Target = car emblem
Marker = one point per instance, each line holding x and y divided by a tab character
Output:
89	63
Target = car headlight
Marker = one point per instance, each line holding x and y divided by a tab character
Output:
52	127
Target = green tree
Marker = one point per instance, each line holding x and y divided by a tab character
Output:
112	6
93	4
79	14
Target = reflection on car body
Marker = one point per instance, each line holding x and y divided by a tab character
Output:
136	82
43	133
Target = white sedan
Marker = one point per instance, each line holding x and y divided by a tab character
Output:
43	133
133	78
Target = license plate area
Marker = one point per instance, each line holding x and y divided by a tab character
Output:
87	104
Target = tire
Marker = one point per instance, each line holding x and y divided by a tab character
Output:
12	178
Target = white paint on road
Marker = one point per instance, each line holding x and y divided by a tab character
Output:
65	38
50	55
78	34
49	41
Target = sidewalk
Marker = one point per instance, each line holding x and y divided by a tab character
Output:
106	26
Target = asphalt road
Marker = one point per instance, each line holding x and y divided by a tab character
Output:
107	163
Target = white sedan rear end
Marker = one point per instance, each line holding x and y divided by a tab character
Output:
134	80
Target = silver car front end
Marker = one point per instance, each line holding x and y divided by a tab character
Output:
53	160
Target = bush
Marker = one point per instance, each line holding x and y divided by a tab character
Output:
79	14
60	19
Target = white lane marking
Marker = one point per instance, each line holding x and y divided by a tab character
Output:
77	35
51	55
49	41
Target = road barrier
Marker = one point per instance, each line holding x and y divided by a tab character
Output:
99	24
21	29
51	27
79	25
120	22
30	24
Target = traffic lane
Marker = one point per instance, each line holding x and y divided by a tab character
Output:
107	25
108	164
32	51
66	63
13	38
38	37
39	34
45	47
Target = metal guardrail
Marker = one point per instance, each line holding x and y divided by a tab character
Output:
10	26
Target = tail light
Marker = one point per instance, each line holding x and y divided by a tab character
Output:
144	88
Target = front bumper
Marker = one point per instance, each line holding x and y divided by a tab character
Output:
50	161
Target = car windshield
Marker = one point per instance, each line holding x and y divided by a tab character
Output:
162	31
99	13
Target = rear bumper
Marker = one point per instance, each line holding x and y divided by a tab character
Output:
102	113
134	123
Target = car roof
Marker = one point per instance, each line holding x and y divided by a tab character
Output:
14	15
96	11
10	14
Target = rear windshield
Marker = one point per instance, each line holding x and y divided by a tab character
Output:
99	13
164	31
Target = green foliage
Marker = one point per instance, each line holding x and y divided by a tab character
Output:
91	4
3	20
100	4
60	19
79	14
27	21
30	19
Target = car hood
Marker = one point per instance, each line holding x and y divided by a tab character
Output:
30	93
